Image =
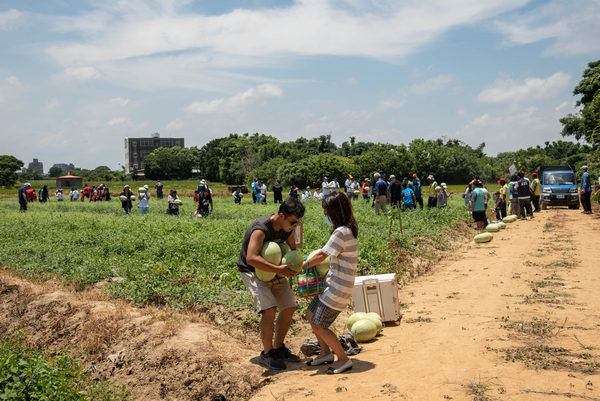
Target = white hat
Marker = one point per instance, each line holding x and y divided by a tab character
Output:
430	177
584	167
443	184
145	186
202	181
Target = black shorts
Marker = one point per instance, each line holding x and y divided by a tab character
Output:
479	216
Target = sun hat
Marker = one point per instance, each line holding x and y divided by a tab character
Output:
443	184
126	186
430	177
392	177
203	181
145	186
502	180
415	175
584	167
324	178
534	174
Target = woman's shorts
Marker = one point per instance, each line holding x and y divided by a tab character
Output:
266	295
479	216
323	315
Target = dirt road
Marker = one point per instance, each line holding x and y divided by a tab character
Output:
514	319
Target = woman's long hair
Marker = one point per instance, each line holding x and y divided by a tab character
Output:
339	209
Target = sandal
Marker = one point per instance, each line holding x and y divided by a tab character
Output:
346	366
322	360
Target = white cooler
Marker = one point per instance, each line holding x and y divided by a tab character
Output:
377	293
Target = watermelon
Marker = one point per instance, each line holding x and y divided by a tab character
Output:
510	219
123	198
285	248
322	267
132	197
271	252
264	276
178	202
373	315
355	317
501	225
513	216
484	237
492	228
364	330
377	323
294	258
367	189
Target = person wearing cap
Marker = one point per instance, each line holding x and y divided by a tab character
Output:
144	201
504	199
125	204
432	199
348	185
415	185
23	197
382	194
325	188
537	190
442	196
586	191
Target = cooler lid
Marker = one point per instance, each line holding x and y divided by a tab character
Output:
380	277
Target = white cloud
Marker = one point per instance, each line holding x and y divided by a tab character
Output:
9	19
238	101
432	84
120	101
506	89
119	122
391	104
13	81
572	26
52	104
77	74
175	125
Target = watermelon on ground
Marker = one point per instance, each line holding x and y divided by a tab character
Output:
483	237
492	228
501	225
355	317
364	330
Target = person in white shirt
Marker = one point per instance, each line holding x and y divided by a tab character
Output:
74	194
306	194
144	201
325	187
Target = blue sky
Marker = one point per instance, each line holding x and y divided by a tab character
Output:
76	77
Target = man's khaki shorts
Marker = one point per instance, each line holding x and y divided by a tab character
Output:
276	292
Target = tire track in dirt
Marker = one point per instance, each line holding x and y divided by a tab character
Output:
514	319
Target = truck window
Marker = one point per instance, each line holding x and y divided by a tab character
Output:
559	179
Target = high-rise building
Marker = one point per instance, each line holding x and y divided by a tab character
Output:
136	149
36	165
64	166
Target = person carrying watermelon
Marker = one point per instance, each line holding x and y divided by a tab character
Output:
342	249
125	198
276	294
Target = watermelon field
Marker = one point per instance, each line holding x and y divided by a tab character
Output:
182	262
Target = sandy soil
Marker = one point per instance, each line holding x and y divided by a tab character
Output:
514	319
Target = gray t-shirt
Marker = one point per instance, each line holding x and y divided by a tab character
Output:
342	249
263	224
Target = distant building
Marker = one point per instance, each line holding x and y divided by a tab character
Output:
64	166
69	181
36	165
136	149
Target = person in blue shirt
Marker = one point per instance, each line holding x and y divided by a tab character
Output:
586	191
408	198
415	185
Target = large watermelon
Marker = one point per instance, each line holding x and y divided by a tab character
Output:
492	228
285	248
294	258
322	267
264	276
375	318
484	237
133	198
271	252
355	317
364	330
501	225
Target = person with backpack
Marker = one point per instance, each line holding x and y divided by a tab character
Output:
415	185
524	193
478	205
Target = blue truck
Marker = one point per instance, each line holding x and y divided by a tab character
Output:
559	187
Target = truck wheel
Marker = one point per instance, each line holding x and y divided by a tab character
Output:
544	205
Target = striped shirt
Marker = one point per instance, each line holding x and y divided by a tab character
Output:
342	249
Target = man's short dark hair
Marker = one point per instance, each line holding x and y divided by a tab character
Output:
521	174
478	184
292	206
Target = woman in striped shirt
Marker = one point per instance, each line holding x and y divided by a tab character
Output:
343	252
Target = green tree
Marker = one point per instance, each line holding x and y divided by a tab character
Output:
55	171
585	124
169	163
9	165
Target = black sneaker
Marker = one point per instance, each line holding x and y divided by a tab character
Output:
285	354
271	360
